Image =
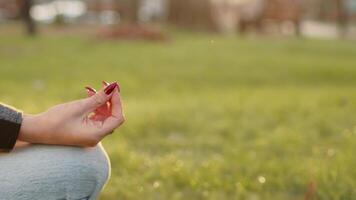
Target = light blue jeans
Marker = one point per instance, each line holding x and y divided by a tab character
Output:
49	172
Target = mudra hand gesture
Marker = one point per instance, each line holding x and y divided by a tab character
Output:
82	122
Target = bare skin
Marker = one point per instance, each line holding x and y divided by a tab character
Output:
82	122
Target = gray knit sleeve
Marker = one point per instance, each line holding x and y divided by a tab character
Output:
10	124
10	115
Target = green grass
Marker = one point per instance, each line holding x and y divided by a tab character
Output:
208	117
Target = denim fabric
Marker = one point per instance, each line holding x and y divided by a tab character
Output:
53	172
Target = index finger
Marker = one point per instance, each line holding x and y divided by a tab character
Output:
117	117
116	104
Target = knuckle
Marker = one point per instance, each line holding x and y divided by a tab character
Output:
120	120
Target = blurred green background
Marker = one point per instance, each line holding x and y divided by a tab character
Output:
208	116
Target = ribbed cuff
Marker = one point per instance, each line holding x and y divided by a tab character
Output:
9	130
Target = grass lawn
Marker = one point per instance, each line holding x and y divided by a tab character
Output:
208	117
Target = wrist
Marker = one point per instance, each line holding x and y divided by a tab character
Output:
30	130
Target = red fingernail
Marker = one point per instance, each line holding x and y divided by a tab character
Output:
90	89
105	83
110	88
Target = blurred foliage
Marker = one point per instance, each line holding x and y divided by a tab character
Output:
208	117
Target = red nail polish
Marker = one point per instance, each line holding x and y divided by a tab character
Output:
90	89
105	83
110	88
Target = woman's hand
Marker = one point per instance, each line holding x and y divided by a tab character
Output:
80	123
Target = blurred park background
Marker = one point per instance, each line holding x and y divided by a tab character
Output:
224	99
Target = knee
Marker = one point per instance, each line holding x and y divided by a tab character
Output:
76	172
91	164
85	170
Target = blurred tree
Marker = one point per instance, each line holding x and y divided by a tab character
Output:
25	14
284	10
193	14
128	10
342	17
335	10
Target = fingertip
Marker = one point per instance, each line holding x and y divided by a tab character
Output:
116	94
110	88
90	91
105	83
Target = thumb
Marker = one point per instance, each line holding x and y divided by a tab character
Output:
100	98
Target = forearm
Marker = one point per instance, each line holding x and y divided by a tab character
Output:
30	130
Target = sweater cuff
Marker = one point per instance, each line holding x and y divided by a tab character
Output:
9	128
